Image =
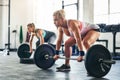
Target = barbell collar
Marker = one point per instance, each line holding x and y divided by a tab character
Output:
107	61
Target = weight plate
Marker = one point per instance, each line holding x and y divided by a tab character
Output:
39	56
23	51
26	60
92	64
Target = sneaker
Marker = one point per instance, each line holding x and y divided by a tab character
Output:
63	68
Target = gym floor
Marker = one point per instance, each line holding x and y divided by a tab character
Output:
11	69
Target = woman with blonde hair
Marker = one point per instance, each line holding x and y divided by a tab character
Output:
80	33
30	30
44	36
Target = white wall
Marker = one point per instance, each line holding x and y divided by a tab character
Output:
3	22
88	11
44	11
24	12
0	26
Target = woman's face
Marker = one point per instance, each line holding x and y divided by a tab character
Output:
30	29
39	33
57	21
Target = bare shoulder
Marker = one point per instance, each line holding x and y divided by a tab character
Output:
40	30
60	29
73	22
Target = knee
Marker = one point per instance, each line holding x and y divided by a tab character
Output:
86	43
67	44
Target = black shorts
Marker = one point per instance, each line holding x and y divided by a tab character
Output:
98	30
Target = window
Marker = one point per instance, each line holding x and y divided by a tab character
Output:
44	13
71	12
114	11
100	7
101	11
71	9
106	11
114	6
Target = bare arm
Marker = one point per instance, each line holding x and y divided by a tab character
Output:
41	37
31	40
60	38
76	33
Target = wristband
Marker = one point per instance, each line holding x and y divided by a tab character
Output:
81	53
57	52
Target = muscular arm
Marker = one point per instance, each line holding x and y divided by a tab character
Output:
31	40
41	37
60	38
76	32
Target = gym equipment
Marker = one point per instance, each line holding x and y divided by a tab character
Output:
21	35
27	60
23	51
39	56
98	59
24	54
15	31
114	29
9	10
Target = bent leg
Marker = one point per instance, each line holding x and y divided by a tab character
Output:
52	39
68	51
90	38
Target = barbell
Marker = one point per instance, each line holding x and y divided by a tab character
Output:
24	54
24	51
98	60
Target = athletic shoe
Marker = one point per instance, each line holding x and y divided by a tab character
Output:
64	68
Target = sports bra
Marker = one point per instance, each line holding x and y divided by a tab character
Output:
84	28
44	33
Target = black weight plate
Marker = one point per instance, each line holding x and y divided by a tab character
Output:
26	60
23	51
92	64
39	56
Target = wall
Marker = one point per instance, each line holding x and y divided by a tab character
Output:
0	26
24	12
88	11
3	22
21	14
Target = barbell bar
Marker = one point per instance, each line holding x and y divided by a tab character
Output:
100	60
